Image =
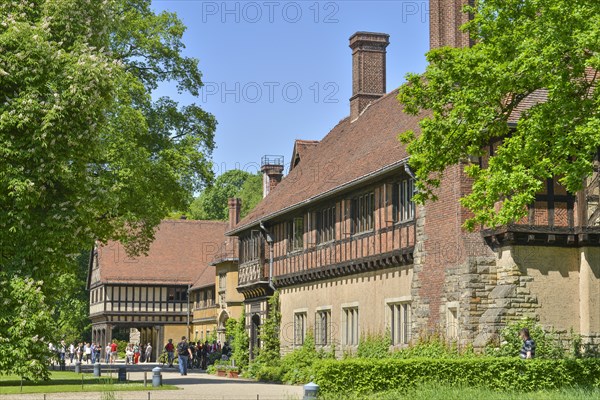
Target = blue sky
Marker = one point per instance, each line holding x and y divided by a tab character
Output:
276	71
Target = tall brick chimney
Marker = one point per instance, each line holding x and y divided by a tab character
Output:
235	206
445	20
368	69
272	169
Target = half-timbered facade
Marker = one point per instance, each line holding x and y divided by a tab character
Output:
151	293
342	241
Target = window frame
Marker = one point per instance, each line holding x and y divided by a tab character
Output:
362	213
300	320
403	206
400	315
350	323
322	327
325	223
295	234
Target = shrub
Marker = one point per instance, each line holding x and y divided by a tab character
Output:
547	344
213	357
361	376
433	346
374	346
294	367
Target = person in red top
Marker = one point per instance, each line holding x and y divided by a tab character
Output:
113	351
170	349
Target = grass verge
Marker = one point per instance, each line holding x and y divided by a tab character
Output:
439	392
71	382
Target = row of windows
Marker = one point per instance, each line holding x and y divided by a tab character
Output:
361	214
399	314
139	294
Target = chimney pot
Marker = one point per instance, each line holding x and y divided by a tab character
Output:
445	19
272	169
368	69
235	206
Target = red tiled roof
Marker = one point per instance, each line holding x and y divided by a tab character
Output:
536	97
180	254
351	150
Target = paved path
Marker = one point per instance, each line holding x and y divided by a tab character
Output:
195	386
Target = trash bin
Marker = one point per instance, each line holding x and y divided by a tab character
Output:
77	367
62	366
310	391
97	370
156	377
122	374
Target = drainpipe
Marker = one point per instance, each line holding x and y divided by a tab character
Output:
188	312
269	238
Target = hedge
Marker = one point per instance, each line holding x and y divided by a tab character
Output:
362	376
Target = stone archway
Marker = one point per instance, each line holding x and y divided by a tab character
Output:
221	325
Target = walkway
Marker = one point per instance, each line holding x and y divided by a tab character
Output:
195	386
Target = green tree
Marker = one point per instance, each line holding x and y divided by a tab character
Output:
85	153
211	204
251	193
270	350
522	47
71	312
236	329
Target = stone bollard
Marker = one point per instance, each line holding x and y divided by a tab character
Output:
77	367
97	370
311	390
156	377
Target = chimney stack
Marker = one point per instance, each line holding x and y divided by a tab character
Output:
368	69
235	206
272	169
445	20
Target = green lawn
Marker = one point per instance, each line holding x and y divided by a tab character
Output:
70	382
433	392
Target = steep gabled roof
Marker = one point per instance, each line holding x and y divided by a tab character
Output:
300	149
350	151
180	254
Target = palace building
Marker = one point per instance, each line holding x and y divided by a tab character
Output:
149	294
350	254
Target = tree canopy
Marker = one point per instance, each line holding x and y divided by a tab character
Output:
211	204
86	154
524	51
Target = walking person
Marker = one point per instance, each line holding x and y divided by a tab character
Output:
170	349
129	354
528	348
113	351
71	353
107	353
93	352
62	349
88	353
184	353
148	353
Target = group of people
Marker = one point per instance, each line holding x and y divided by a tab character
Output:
194	354
82	352
135	354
